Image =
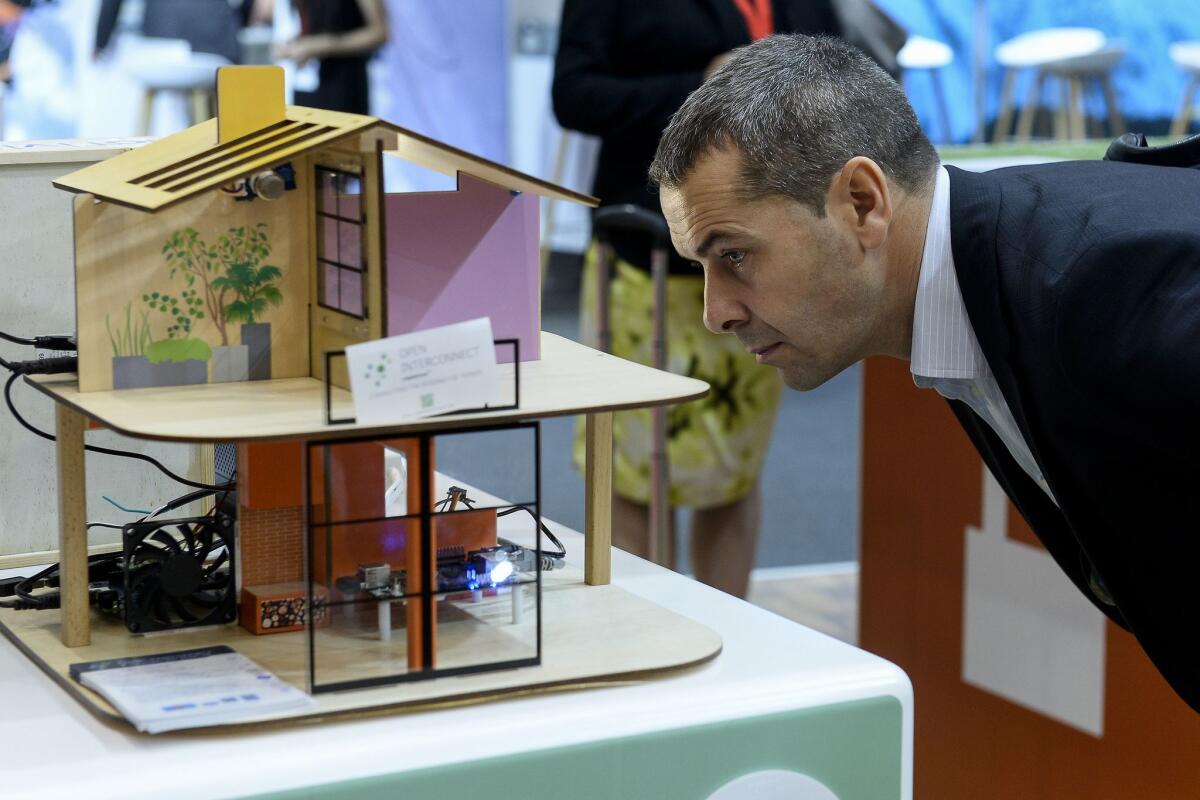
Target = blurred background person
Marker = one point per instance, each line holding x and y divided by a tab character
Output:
10	15
341	35
622	68
209	26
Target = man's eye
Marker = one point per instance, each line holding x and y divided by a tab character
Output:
735	257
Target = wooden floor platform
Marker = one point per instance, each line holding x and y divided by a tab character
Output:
591	635
568	379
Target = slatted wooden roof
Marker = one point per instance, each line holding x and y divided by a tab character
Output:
177	167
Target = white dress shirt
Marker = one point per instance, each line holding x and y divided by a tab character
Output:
945	353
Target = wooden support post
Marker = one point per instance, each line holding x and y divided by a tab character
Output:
597	524
1004	118
1062	117
1115	120
201	103
1183	118
148	96
72	527
206	462
1029	110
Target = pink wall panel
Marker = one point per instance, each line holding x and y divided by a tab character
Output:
454	256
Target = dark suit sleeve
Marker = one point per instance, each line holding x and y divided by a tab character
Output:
591	96
1128	332
1127	339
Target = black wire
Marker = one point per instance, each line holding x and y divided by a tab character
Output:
24	590
562	551
16	339
95	449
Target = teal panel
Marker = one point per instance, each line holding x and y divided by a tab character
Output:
853	748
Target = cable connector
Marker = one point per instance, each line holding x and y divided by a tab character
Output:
62	342
46	366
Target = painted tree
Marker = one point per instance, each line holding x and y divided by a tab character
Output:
231	267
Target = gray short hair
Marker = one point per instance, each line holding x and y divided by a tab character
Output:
797	108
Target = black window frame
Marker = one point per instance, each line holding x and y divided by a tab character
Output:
322	262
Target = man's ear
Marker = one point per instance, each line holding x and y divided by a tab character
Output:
860	198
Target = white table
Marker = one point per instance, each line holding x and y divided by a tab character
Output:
779	696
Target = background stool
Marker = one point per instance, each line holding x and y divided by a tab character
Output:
1186	56
1075	75
1038	50
929	54
168	66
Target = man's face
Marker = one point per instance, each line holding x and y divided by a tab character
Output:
798	290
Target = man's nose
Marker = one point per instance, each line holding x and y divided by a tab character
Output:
723	311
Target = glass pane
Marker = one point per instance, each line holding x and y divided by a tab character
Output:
352	293
396	481
359	560
350	196
326	199
348	481
350	244
486	627
329	286
328	231
367	640
471	556
495	467
376	627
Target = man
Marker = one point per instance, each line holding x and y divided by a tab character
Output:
1057	307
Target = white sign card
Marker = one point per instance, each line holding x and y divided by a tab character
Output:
424	373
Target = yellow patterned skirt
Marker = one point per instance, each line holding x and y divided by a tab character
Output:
715	445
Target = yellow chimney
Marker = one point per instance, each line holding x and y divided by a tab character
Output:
248	99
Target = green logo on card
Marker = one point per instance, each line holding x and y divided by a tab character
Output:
427	400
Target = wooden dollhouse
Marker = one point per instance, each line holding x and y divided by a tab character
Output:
216	270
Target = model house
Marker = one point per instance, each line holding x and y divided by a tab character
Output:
220	272
250	246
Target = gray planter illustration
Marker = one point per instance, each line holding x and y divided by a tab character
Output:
231	363
257	337
179	373
131	372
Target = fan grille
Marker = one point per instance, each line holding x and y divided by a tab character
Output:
179	573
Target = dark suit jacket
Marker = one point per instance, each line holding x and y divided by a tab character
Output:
625	66
1082	283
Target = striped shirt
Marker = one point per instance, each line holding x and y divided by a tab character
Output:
945	353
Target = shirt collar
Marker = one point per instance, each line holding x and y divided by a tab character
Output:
943	343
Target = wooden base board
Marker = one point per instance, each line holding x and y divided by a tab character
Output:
591	635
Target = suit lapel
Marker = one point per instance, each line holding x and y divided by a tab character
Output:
974	215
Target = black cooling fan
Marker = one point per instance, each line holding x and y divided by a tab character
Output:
179	573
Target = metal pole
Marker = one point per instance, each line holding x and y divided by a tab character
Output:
660	506
604	260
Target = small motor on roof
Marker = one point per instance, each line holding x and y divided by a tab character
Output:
269	184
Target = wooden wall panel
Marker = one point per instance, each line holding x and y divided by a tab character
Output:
120	261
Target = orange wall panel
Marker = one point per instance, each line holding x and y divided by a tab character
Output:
921	488
270	475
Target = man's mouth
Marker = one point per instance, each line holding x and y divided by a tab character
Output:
761	354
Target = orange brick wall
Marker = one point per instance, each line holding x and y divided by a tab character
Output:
271	541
